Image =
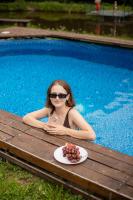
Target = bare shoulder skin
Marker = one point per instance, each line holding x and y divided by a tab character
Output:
76	118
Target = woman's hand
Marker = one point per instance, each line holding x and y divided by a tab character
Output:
55	129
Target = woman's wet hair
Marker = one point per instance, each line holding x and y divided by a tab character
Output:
70	102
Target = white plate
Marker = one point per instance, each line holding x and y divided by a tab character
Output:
58	155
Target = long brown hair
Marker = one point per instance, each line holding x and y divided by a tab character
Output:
70	102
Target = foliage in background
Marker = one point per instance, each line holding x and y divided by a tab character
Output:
53	6
44	6
128	2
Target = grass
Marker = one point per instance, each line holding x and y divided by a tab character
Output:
18	184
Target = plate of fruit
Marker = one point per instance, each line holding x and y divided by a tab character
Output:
70	154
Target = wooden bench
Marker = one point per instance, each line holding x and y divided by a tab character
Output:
106	174
19	22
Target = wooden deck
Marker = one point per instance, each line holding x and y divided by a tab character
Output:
106	174
24	32
19	22
112	13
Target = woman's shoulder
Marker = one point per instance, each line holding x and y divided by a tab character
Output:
74	117
49	110
73	111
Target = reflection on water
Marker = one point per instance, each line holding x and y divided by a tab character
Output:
79	23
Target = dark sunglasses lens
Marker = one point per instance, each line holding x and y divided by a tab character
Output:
53	95
62	96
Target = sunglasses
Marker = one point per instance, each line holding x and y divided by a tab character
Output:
60	95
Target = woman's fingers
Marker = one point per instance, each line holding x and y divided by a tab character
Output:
45	128
51	125
58	132
54	129
51	130
48	127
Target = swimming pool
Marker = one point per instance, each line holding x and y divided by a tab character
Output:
101	78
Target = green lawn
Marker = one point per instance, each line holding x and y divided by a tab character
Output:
18	184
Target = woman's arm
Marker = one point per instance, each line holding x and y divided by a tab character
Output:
81	134
85	132
32	118
61	130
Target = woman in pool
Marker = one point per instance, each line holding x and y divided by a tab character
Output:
63	118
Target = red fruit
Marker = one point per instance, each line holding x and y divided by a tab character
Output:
69	145
71	152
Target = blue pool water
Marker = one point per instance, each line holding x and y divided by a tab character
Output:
101	78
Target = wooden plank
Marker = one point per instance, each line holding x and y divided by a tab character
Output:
19	125
80	175
130	181
14	20
41	134
34	146
4	136
101	149
5	120
113	163
127	190
9	130
93	155
10	115
112	13
116	174
99	167
13	121
2	126
112	155
105	170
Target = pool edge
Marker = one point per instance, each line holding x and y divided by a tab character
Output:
22	32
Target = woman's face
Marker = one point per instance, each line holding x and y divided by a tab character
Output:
58	101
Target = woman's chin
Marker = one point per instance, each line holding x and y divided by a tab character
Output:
58	105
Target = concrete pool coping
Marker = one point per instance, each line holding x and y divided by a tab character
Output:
23	32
